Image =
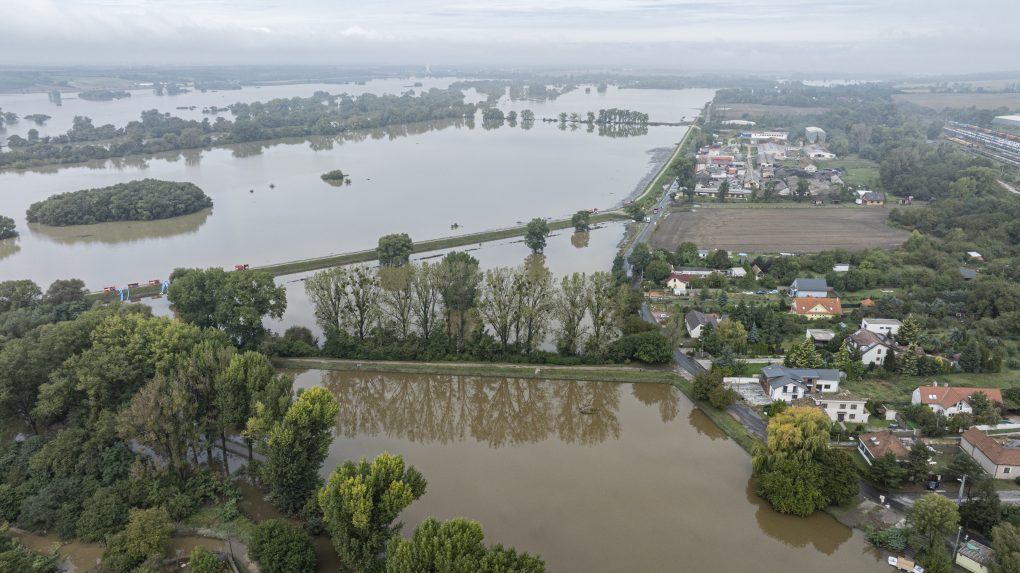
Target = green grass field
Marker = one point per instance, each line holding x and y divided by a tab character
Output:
899	389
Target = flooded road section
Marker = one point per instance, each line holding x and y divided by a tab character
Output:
592	476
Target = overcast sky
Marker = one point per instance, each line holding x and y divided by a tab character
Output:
858	37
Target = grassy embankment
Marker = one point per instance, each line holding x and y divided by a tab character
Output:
367	255
654	188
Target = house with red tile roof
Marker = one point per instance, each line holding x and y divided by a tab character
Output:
1000	460
816	307
951	400
874	445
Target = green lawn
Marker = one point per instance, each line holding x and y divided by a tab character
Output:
899	389
859	171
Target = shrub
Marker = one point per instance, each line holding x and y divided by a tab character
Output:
281	547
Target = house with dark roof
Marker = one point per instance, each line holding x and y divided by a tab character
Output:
1000	460
874	445
949	401
814	307
809	288
873	347
695	322
789	384
873	198
820	336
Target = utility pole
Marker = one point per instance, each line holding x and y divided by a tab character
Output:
959	497
956	546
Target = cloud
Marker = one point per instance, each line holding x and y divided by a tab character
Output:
859	36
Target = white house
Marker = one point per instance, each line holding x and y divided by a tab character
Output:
816	288
679	283
695	271
789	384
842	407
883	326
950	401
737	272
841	267
1001	461
872	346
695	322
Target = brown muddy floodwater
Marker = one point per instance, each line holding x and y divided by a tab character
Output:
644	482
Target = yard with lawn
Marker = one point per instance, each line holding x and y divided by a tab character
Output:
898	389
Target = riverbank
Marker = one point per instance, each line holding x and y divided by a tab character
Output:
368	255
655	186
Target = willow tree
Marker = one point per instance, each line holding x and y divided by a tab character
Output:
570	308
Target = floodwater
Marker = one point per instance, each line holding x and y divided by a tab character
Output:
644	482
77	555
421	179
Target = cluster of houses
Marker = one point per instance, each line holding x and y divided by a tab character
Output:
813	299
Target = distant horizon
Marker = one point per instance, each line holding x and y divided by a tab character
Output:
852	38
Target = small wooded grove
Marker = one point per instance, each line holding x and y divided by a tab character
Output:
122	417
143	200
451	309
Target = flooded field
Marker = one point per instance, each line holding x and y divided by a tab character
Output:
644	482
428	180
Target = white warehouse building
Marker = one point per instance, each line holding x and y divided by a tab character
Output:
814	134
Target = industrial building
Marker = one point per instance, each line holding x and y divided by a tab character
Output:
814	134
1007	120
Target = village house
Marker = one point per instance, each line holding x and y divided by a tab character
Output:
872	198
789	384
817	288
974	556
841	267
1001	461
820	336
883	326
874	445
842	407
679	283
813	308
975	255
695	322
950	401
873	347
699	272
737	272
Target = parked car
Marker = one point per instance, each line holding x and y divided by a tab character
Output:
760	292
774	291
931	484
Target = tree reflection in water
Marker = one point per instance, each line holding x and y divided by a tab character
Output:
705	426
9	247
661	395
495	411
819	530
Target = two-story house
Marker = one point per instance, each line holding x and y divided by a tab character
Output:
873	347
695	322
884	326
789	384
842	407
816	288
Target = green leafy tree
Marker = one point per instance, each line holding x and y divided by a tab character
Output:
723	192
7	228
297	446
201	560
104	513
917	462
657	271
279	546
983	509
847	361
145	536
803	189
792	487
838	473
395	250
909	364
63	291
234	302
360	504
789	467
143	200
1006	545
640	257
804	355
970	358
581	221
886	471
458	279
535	235
634	211
731	333
455	546
985	411
964	465
933	518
